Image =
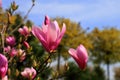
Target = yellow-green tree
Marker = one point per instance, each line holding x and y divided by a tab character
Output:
106	46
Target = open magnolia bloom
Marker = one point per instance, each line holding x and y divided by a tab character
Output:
10	40
24	31
3	66
80	55
29	73
49	34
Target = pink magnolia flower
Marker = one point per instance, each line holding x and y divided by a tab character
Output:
7	49
24	31
3	66
49	35
80	55
13	52
10	40
29	73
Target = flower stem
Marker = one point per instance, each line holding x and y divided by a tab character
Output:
42	66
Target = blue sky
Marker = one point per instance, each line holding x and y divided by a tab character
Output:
90	13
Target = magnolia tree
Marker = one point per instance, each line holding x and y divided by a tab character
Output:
16	54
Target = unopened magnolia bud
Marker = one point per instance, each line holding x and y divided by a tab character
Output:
34	63
38	78
14	6
47	20
66	67
26	44
20	52
49	61
17	72
9	71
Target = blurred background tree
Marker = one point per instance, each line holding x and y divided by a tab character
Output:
106	46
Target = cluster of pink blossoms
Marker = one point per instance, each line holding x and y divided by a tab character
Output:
50	36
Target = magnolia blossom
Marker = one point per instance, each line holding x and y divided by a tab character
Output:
24	31
3	66
49	34
11	51
80	55
10	40
7	49
29	73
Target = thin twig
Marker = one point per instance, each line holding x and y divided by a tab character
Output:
25	17
43	65
3	36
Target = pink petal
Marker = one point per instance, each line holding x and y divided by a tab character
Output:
57	27
52	33
37	32
82	52
20	30
26	31
73	53
61	34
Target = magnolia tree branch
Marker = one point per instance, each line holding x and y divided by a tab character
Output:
3	37
43	66
25	17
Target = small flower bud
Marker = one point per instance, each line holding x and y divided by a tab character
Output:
47	20
26	44
17	72
14	6
24	31
10	40
66	67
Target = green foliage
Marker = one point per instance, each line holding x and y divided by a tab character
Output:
74	73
